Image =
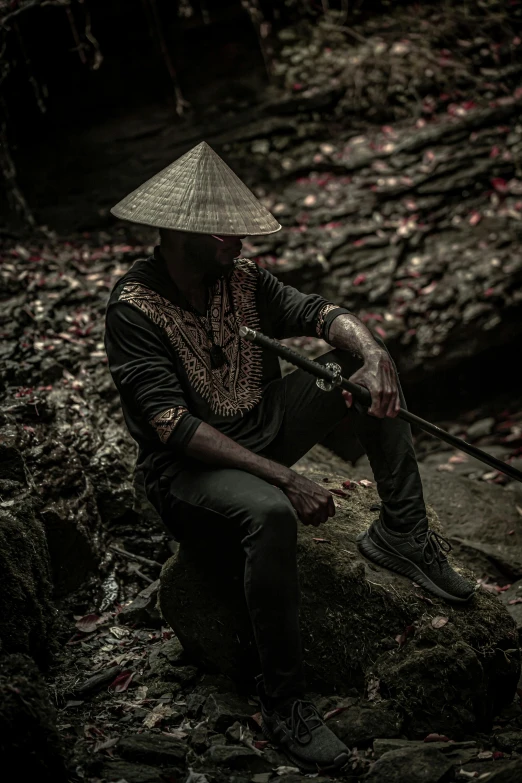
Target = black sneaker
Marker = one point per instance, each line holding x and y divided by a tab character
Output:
300	732
419	555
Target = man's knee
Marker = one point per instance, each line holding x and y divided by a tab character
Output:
274	520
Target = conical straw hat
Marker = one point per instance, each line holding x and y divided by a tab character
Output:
197	193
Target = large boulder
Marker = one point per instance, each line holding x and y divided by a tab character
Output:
27	616
29	742
442	667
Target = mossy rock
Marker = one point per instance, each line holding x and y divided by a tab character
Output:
27	616
452	679
29	742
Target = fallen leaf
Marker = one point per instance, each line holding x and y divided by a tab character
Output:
122	682
515	601
339	492
175	734
401	638
256	717
365	483
347	484
439	621
110	743
485	754
89	623
260	744
332	713
286	770
436	738
157	715
321	540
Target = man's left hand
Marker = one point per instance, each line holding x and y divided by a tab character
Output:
378	376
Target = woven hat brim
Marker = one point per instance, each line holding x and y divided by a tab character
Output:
198	193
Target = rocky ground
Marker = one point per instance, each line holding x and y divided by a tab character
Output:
390	151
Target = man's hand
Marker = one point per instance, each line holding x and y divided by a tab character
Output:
378	375
313	503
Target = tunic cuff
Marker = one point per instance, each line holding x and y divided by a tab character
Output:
327	314
175	426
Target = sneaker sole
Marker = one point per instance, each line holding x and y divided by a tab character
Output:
338	763
404	567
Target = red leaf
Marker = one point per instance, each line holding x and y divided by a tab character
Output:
358	279
401	638
380	331
339	492
475	218
333	713
515	601
256	717
499	184
436	738
122	682
347	484
89	623
260	744
497	754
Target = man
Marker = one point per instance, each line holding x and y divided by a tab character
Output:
218	429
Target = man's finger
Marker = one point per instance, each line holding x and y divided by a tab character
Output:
348	398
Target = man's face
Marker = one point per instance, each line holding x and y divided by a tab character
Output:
214	255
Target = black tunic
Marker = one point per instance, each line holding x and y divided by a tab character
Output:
159	357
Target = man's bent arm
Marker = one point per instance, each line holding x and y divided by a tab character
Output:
211	446
312	503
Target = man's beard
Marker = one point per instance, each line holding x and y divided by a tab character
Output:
205	259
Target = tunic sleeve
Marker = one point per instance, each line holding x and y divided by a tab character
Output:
294	314
144	374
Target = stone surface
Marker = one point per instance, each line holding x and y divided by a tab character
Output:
222	710
363	721
458	752
238	757
451	680
508	598
420	765
508	772
142	611
29	743
28	616
154	749
130	772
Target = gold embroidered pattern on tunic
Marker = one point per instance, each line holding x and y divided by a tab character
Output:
323	312
166	422
235	387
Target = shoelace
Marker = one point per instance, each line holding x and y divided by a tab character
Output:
303	719
435	547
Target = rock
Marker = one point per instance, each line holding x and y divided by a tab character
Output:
28	615
195	704
361	723
97	681
351	611
509	741
424	765
480	428
458	752
130	772
142	611
199	739
223	709
508	597
154	749
508	772
237	757
29	741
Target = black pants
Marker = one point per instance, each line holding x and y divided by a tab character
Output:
210	504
